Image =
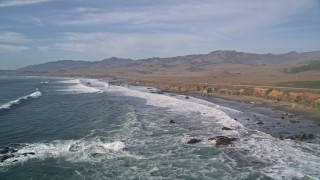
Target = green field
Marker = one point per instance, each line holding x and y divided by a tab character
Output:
300	84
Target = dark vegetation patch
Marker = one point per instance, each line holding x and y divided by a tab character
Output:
314	65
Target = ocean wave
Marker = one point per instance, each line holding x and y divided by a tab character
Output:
8	105
179	104
282	158
82	150
79	86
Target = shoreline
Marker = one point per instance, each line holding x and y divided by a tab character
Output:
257	114
286	107
289	108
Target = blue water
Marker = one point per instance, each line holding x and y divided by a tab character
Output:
87	129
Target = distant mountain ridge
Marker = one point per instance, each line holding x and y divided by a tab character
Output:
192	62
63	65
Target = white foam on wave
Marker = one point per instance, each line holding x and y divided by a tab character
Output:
181	105
71	150
70	81
285	159
78	86
8	105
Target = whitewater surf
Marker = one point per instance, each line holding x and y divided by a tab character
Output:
90	129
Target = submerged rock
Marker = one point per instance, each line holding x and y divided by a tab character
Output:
172	122
260	122
187	97
222	140
97	154
193	141
5	157
301	136
7	150
31	153
305	136
157	92
226	128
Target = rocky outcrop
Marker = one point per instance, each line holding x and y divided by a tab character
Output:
226	128
223	140
10	152
193	141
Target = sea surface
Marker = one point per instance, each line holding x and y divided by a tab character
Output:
59	128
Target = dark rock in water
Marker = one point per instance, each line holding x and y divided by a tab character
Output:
248	119
260	122
282	117
172	122
187	97
31	153
222	140
5	157
96	154
303	136
7	150
156	92
13	151
293	121
235	119
310	136
88	83
226	128
15	160
193	141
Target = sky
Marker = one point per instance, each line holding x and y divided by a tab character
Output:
38	31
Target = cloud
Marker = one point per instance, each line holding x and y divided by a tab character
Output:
217	16
132	45
31	20
11	49
13	37
43	48
8	3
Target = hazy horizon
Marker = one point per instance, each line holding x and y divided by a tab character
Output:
38	31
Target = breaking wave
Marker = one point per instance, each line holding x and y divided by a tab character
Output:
282	158
81	150
8	105
77	86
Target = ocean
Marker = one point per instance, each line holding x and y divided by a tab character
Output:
69	128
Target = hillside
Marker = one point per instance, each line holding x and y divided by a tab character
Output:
192	62
220	67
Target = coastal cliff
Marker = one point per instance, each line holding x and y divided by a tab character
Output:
294	97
